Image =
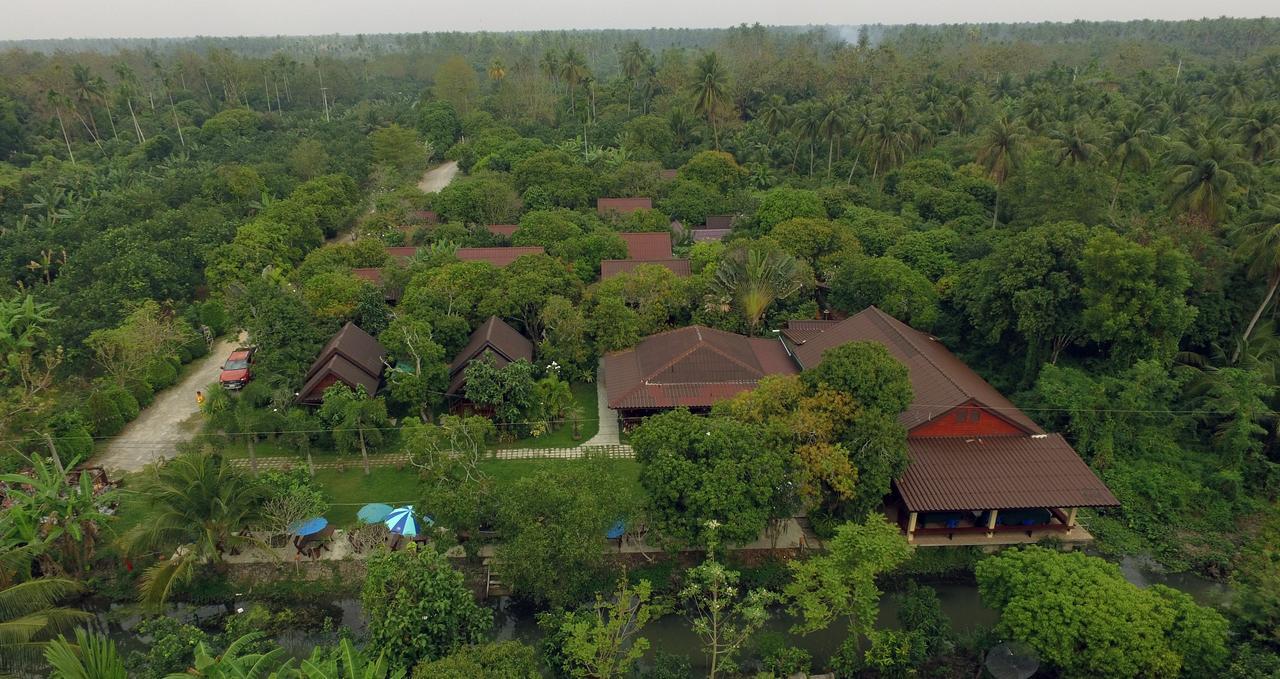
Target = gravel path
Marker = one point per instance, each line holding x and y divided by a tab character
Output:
607	435
172	418
438	178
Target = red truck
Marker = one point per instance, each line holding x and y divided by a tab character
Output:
238	369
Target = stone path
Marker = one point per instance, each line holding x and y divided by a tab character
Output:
607	435
172	418
616	451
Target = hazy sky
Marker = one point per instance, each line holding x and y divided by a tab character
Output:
166	18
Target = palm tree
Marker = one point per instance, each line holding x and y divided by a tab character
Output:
29	618
999	153
99	90
497	70
1259	131
1074	142
550	66
635	60
805	125
774	115
56	101
754	278
198	505
128	80
708	89
889	135
1204	176
573	70
833	126
1130	143
1261	245
82	92
93	656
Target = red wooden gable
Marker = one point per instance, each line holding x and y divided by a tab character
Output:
969	419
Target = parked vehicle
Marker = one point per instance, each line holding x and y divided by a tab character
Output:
238	369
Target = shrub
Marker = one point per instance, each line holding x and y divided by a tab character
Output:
670	666
781	658
172	648
109	408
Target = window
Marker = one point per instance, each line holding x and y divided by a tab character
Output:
974	414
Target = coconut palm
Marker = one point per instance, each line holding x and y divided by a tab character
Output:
93	656
198	504
889	134
1260	243
1204	176
635	61
999	153
774	115
550	66
805	124
754	278
1259	131
573	71
29	618
1074	143
497	70
128	82
833	126
83	93
1130	142
708	89
56	100
99	90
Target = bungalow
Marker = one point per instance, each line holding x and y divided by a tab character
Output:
650	247
495	338
502	230
352	357
981	471
622	206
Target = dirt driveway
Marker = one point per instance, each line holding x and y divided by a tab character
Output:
172	418
439	177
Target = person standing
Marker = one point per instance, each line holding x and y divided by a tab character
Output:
199	399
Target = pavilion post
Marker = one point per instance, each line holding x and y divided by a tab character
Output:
911	526
991	522
1071	518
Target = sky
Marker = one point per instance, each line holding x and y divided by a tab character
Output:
22	19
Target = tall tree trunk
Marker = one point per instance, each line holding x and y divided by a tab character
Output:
177	125
1266	301
115	134
1115	193
137	129
64	135
85	124
253	452
364	452
831	145
995	211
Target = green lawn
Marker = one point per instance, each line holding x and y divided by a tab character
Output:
585	395
351	489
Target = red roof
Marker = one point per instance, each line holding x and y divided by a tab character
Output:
427	216
1024	472
939	380
497	256
668	174
612	267
692	367
402	253
493	336
700	235
623	205
647	244
371	274
504	230
718	222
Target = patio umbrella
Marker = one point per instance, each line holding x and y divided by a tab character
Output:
616	530
401	521
308	526
373	513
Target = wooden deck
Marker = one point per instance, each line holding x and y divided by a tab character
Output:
933	535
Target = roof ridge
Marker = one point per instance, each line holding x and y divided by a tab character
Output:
881	315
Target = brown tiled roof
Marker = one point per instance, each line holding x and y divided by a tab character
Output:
692	367
718	222
998	473
374	275
668	174
504	230
612	267
427	216
700	235
497	256
939	380
353	355
494	335
647	245
402	253
623	205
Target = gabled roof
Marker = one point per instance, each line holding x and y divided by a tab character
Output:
504	230
958	474
623	205
494	335
647	244
352	355
718	222
939	380
700	235
693	367
374	275
612	267
402	252
497	256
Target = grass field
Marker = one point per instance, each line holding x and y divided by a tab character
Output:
585	396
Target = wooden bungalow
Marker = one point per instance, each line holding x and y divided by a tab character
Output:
505	231
391	294
494	338
352	357
649	247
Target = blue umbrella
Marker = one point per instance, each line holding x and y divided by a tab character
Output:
308	526
402	522
616	530
373	513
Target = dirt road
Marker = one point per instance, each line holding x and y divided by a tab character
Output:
438	178
173	417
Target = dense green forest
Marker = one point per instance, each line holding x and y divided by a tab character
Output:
1087	213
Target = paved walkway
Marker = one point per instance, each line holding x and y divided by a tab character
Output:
617	451
172	418
607	435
